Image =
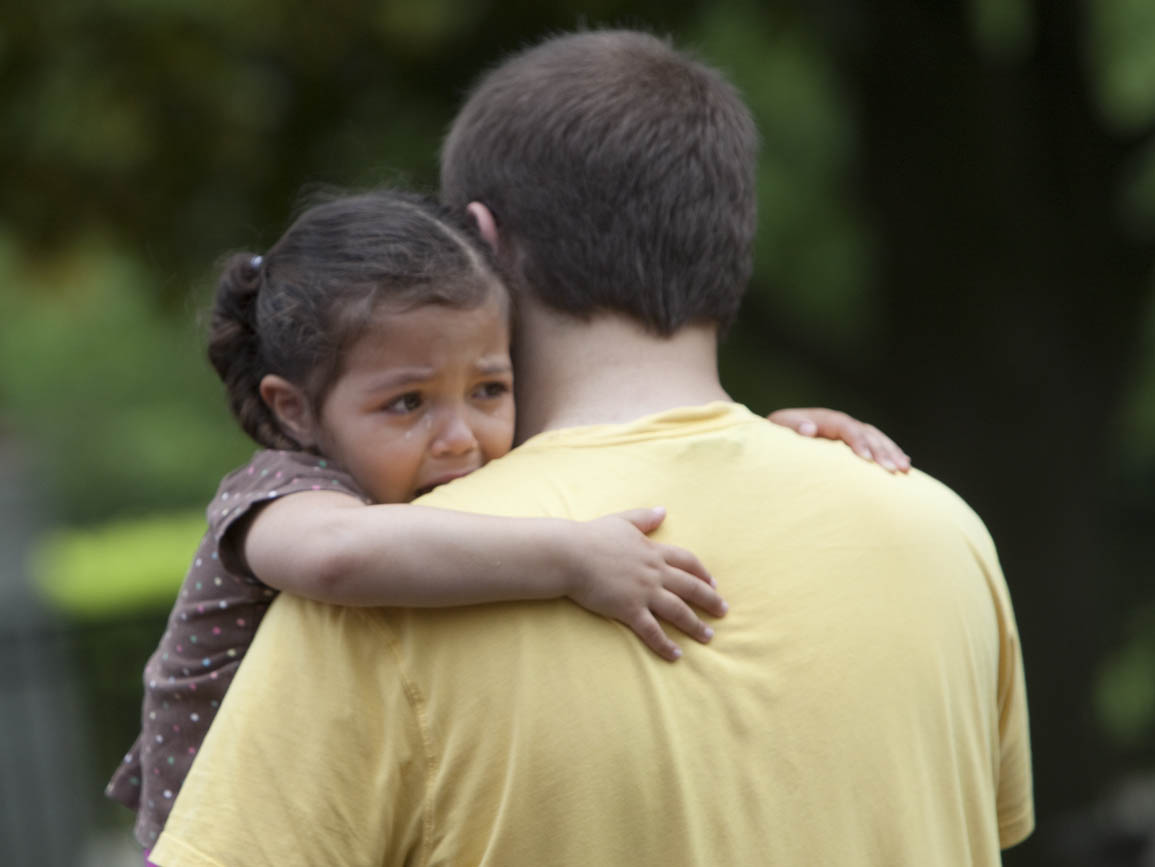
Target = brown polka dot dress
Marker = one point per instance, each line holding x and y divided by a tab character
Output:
212	622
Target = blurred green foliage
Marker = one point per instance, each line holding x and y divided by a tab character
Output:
109	386
1125	696
120	568
810	233
1122	32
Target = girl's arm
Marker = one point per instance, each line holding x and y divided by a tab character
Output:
331	547
866	440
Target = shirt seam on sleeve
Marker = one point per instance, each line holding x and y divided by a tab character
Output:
417	704
1017	828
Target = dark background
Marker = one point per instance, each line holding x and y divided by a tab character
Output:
956	235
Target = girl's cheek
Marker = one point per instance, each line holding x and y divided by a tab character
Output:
504	439
414	429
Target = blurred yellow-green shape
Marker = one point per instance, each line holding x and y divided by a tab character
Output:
117	568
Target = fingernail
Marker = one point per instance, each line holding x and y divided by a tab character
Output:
724	606
660	510
677	652
888	463
709	633
808	428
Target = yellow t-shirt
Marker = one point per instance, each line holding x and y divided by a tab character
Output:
861	704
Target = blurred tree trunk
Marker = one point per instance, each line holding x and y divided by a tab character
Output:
1007	296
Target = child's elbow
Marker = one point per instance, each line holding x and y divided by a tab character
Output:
329	571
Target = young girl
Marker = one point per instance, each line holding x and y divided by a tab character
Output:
367	352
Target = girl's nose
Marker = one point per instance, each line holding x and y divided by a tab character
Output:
455	437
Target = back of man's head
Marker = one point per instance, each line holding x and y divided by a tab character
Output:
620	173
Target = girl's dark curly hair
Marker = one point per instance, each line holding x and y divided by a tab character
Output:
294	311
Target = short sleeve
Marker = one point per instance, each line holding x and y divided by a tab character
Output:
1015	792
269	475
1015	802
268	788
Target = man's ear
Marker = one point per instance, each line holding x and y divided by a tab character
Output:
486	225
291	407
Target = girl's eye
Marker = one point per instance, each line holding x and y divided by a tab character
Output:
407	402
491	389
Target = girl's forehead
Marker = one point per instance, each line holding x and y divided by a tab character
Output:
432	331
493	307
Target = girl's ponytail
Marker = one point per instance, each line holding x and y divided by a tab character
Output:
234	349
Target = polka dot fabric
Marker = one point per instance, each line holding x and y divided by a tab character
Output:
211	625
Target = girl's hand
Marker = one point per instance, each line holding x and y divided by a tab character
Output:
867	441
626	576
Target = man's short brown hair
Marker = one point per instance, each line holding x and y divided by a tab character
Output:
622	173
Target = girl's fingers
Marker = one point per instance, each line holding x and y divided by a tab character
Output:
798	420
865	440
883	452
887	451
646	520
676	612
653	636
831	424
870	444
695	591
859	441
835	425
687	561
901	458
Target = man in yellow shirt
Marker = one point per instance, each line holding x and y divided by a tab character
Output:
862	702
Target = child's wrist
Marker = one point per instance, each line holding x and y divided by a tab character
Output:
572	565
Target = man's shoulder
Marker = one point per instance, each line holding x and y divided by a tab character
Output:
835	483
915	501
307	624
730	450
940	502
526	480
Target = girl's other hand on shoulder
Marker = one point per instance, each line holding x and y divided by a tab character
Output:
867	441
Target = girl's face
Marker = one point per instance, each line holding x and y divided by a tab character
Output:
425	396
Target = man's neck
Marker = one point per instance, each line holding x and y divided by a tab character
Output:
608	370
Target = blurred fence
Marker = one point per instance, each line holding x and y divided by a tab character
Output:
41	721
69	701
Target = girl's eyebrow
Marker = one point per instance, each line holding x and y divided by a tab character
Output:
493	365
397	377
